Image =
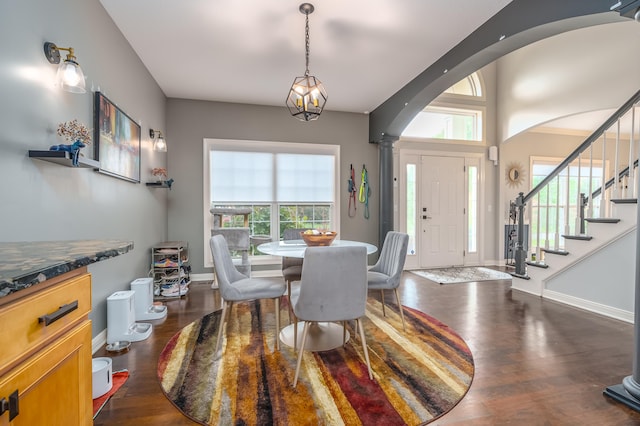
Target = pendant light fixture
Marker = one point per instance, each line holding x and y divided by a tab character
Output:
307	96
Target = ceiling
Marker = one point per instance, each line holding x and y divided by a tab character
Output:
249	52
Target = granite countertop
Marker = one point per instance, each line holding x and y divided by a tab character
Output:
23	264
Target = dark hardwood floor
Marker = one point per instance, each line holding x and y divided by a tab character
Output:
537	362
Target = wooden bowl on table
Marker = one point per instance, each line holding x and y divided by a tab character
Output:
324	238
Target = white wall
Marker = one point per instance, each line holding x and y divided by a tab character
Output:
45	201
583	70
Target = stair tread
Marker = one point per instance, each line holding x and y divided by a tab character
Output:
537	264
524	277
578	237
624	200
602	220
558	252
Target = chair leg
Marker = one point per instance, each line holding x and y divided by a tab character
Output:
344	332
289	299
225	307
292	318
295	332
364	347
404	327
384	313
304	338
277	302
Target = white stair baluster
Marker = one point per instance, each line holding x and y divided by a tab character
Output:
603	180
556	245
546	231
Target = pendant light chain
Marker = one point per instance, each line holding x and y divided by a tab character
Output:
306	73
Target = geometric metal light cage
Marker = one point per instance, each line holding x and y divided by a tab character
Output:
307	98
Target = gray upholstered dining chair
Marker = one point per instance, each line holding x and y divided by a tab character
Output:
385	274
236	287
291	266
333	288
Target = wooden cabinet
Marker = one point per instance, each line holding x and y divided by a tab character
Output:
45	358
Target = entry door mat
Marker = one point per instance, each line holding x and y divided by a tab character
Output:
457	275
419	375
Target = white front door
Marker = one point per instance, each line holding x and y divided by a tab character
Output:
441	213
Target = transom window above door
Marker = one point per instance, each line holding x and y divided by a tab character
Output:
457	115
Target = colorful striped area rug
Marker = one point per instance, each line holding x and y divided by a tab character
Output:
419	375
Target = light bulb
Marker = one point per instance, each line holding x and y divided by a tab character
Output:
70	77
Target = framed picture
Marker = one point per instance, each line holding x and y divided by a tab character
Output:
117	140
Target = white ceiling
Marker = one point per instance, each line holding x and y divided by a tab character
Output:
250	51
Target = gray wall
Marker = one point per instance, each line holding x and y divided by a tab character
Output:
45	201
190	121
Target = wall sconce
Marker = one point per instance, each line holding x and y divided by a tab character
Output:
70	76
159	144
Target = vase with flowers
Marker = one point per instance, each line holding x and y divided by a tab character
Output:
77	134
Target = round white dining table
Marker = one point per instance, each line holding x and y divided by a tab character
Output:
322	336
296	248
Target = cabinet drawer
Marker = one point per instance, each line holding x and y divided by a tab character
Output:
23	322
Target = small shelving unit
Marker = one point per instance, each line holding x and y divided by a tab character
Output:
64	158
170	269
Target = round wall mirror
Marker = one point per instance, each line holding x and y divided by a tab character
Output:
515	174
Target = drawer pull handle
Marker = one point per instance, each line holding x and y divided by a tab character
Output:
55	316
12	406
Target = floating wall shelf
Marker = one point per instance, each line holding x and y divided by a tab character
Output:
63	158
162	184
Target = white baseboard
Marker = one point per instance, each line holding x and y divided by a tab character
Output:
267	273
202	277
98	341
521	285
590	306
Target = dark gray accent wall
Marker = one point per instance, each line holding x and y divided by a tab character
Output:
190	121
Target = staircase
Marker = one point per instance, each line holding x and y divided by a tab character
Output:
582	221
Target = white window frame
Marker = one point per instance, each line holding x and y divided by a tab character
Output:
554	162
461	102
262	146
471	107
